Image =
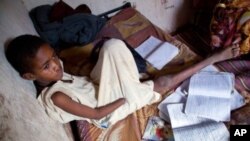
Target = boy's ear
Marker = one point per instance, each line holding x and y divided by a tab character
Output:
29	76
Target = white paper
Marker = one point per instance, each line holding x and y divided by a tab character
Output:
164	116
210	94
180	96
192	128
237	100
156	52
148	46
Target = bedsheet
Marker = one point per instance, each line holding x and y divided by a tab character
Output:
132	27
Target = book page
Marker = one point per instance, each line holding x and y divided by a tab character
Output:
148	46
192	128
179	119
176	97
237	100
162	55
157	52
181	93
209	95
210	131
209	107
215	84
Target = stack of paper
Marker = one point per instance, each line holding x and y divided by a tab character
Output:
173	108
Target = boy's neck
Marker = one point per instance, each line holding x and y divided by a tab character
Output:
40	86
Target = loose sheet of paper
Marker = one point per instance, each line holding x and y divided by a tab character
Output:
192	128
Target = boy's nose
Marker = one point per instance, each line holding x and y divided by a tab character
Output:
55	65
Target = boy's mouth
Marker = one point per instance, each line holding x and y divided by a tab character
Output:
60	72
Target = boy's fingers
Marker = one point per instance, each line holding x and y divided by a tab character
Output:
235	46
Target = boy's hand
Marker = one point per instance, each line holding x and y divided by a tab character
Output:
122	100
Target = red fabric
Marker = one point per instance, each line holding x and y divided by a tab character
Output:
62	9
201	4
83	8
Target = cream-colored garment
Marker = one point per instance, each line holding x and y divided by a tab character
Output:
116	76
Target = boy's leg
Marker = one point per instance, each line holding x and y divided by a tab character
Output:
114	52
117	75
167	83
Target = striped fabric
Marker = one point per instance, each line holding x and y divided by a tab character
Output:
241	69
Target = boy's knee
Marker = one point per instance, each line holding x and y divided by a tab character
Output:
113	45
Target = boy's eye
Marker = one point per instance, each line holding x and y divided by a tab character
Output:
46	66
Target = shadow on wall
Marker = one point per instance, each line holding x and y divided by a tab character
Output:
184	13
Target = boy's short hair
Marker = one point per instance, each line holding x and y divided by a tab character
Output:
21	50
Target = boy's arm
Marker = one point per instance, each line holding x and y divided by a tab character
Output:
67	104
227	53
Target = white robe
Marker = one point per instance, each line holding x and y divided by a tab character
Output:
114	76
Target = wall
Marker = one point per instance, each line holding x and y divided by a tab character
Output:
167	14
21	117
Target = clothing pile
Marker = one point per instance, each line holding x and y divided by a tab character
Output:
231	24
62	26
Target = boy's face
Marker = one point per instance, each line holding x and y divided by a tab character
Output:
46	66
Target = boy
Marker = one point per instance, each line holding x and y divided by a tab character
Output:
100	99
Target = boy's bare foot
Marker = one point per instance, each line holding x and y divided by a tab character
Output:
166	83
227	53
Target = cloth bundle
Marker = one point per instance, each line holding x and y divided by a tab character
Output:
66	27
231	25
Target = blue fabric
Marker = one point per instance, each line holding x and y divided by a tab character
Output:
76	29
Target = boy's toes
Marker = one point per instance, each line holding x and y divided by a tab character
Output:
235	50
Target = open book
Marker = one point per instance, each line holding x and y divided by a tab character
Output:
209	95
188	127
191	128
156	52
181	93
